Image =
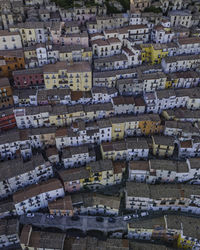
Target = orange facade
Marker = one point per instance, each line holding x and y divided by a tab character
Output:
10	61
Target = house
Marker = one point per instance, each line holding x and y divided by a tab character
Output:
7	208
139	5
104	48
180	17
11	60
103	94
10	40
31	238
61	206
17	174
162	171
131	148
97	174
85	203
189	45
14	142
7	120
77	76
145	197
75	156
123	105
162	33
183	79
129	86
189	147
140	105
154	52
105	130
25	97
37	196
9	236
163	146
92	242
72	179
181	114
28	78
172	64
111	63
180	129
52	155
5	93
153	81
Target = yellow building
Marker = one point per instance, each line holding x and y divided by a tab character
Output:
153	53
114	150
76	76
30	52
118	127
163	146
184	243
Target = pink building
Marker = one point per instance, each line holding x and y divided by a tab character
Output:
73	179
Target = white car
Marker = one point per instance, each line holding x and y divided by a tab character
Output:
30	215
128	217
144	214
135	216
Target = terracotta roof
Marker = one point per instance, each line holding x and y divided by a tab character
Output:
64	203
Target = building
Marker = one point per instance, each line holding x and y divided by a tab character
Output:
95	175
37	196
28	78
174	197
131	148
9	229
11	60
180	18
6	99
163	146
25	97
30	238
16	174
76	77
7	208
10	40
104	48
172	64
139	5
189	147
7	120
15	142
76	156
85	203
163	171
92	242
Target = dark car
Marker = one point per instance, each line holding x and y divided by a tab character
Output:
112	220
75	217
99	219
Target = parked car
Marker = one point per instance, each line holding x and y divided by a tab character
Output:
144	214
128	217
111	220
99	219
30	215
135	216
75	217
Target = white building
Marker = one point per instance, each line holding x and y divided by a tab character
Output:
16	175
180	63
37	196
76	156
